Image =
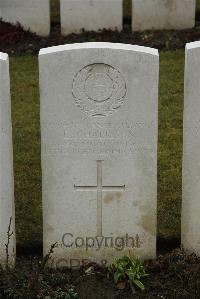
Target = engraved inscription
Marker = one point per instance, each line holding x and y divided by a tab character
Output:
99	89
95	138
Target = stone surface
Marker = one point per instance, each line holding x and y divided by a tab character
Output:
7	215
90	15
163	14
99	150
31	14
191	149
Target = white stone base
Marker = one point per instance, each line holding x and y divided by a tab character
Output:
163	14
99	151
191	148
7	214
33	15
90	15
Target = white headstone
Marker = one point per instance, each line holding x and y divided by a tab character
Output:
33	15
90	15
99	150
191	150
163	14
7	215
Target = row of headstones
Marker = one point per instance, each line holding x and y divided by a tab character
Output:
99	14
99	125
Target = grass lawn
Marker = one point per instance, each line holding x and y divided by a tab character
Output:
26	134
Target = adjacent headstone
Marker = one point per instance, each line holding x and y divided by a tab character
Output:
191	150
99	105
7	215
163	14
33	15
90	15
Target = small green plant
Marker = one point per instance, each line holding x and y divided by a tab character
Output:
60	294
128	269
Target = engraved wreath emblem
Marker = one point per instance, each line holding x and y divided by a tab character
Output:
99	89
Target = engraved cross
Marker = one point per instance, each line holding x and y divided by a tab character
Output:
99	189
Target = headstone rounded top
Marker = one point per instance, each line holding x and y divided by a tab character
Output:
192	45
98	45
3	56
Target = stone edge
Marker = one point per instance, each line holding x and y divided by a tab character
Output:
3	56
193	45
98	45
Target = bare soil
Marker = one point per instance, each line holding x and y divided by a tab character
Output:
14	40
173	275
